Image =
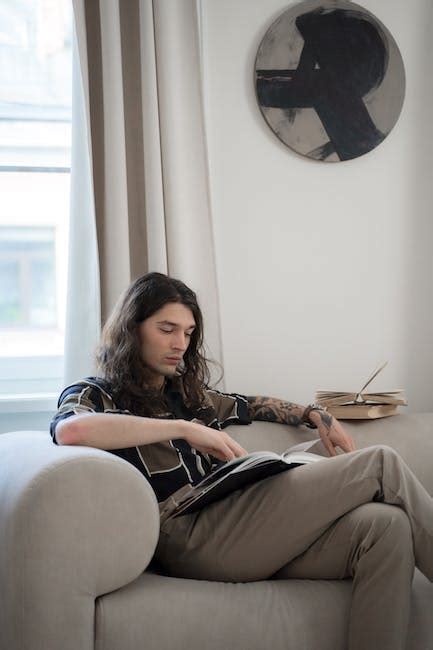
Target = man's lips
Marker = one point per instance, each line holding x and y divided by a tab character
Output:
173	359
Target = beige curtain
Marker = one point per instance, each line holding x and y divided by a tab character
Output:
143	105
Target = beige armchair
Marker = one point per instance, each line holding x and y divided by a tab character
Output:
78	528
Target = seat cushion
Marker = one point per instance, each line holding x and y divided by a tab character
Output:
158	612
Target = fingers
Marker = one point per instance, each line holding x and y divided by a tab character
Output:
231	449
345	442
228	448
214	442
224	453
340	438
323	432
217	448
335	436
236	448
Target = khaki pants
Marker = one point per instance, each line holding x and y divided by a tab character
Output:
362	515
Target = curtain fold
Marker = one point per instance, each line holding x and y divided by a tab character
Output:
82	326
148	167
185	167
115	114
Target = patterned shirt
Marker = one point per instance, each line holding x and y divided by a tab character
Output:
167	465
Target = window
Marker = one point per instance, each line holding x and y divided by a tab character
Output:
27	278
35	146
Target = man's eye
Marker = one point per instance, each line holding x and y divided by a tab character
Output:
164	330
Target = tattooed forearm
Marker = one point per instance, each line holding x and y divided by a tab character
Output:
271	409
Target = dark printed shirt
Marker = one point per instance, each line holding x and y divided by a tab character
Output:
167	465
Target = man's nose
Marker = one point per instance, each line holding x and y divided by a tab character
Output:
179	341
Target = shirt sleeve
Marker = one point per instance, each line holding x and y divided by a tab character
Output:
230	408
82	397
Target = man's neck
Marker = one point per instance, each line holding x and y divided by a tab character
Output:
160	385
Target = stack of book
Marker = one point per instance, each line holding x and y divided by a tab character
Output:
362	405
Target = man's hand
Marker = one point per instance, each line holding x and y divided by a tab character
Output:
211	441
331	432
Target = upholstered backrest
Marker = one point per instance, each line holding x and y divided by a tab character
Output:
410	435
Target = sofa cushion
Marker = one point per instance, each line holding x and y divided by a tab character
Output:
161	613
158	612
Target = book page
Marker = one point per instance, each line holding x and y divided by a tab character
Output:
372	376
301	457
230	465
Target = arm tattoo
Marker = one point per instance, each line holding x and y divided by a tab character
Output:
271	409
326	419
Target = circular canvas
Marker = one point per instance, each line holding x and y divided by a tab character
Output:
329	79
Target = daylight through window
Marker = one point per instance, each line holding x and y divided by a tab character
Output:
35	152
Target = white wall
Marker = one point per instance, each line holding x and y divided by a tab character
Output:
324	269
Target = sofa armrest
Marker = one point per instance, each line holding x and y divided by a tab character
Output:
75	523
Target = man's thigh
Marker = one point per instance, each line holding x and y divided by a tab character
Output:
255	531
336	553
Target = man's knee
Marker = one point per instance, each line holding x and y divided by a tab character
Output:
378	534
380	457
381	450
384	521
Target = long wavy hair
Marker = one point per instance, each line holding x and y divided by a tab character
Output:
119	356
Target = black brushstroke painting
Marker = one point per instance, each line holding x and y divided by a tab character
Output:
343	57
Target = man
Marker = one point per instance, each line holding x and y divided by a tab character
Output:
360	514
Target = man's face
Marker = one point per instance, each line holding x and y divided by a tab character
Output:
164	339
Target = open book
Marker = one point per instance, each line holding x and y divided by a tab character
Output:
240	472
362	404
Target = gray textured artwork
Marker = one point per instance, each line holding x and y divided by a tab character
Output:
330	79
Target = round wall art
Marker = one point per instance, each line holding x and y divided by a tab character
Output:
329	79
